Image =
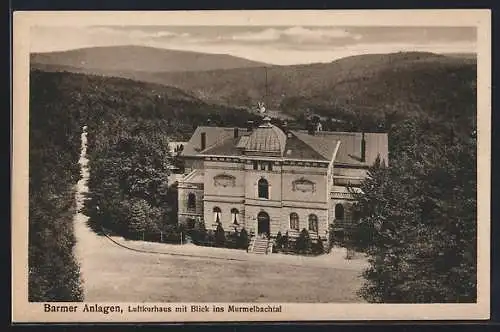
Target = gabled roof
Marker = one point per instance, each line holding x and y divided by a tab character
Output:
228	147
298	149
214	136
324	146
349	152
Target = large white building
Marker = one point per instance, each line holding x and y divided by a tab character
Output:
269	179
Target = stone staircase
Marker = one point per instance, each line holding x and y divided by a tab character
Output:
260	245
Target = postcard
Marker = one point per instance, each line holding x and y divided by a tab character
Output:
208	166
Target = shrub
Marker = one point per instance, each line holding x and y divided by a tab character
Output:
279	241
232	240
303	244
220	236
318	247
172	234
198	233
285	241
243	240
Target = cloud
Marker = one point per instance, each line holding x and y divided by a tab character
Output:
276	45
137	33
296	34
264	35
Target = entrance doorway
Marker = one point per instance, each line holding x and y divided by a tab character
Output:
263	227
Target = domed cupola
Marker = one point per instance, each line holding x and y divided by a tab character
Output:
266	139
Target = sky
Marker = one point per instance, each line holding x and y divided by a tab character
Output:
279	45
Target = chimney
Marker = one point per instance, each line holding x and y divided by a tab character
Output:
363	147
236	132
249	126
203	141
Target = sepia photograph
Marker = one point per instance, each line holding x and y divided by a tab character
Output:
181	166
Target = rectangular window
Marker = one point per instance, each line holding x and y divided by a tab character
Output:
270	166
262	166
255	165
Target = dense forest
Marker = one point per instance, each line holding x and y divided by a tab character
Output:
372	88
418	218
54	135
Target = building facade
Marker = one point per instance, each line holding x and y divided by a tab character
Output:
269	180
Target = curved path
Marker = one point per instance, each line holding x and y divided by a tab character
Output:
113	269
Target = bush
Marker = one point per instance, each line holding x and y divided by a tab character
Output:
232	240
243	239
318	247
220	236
285	241
278	242
198	233
303	245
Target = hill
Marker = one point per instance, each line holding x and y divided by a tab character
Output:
372	84
101	99
139	58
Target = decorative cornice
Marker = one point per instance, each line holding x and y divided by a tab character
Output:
341	195
190	214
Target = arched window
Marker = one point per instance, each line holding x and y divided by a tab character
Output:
339	212
294	221
313	223
263	188
235	214
191	201
217	214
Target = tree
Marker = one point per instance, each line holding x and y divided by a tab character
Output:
141	217
220	236
279	241
285	240
199	233
418	220
303	244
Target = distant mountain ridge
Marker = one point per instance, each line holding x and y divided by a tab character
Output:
140	58
373	85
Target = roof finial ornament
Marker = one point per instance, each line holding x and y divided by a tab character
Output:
266	121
